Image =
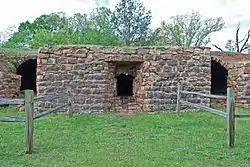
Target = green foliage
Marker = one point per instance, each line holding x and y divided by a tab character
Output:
15	51
13	57
28	33
127	25
131	21
4	68
19	39
7	66
99	27
187	30
57	29
230	46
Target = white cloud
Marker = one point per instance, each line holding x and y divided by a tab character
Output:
233	11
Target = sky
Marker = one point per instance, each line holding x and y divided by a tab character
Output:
233	11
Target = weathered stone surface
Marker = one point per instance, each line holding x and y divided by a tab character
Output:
238	74
90	71
6	65
9	85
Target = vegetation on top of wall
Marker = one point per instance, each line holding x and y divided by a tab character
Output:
11	58
5	68
6	65
16	51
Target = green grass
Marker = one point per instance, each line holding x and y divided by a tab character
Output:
237	110
144	140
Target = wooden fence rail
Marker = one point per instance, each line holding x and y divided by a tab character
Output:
8	119
50	96
199	106
244	97
242	115
6	101
229	114
205	95
42	114
29	109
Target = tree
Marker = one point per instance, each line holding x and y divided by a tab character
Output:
161	35
100	24
100	19
230	45
131	21
6	34
57	29
244	40
24	37
235	45
78	22
188	30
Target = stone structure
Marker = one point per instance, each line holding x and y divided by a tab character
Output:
10	85
19	57
238	66
123	79
10	82
126	79
6	65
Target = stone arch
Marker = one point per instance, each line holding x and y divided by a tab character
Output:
26	67
22	59
225	64
27	71
220	78
229	66
237	65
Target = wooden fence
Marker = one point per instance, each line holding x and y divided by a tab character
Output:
229	114
28	102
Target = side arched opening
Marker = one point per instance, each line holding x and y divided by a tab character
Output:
27	70
219	75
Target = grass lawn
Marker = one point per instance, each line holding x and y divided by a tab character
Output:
144	140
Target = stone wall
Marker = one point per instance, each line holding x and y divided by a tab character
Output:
6	65
9	85
91	71
238	66
241	74
10	82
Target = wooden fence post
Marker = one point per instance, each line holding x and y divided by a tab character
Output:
29	130
231	117
70	109
178	98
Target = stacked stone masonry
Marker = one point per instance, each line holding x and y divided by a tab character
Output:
10	85
238	66
6	65
9	81
91	72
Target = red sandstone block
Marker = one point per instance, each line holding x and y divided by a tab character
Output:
246	71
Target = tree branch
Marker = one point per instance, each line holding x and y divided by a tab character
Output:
217	47
237	38
243	39
245	43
